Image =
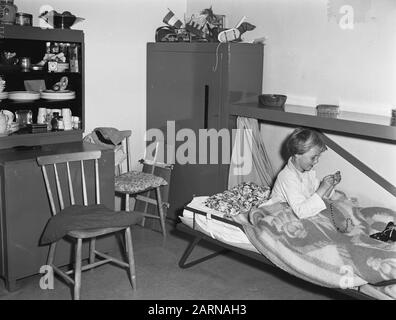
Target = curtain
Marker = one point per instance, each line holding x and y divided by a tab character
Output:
249	160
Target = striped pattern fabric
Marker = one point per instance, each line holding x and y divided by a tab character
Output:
171	20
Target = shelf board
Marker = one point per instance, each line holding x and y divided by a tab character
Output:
37	33
353	123
7	71
29	139
41	102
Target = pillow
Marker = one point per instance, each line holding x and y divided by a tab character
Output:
242	197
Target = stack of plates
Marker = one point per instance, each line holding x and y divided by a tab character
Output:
23	95
58	95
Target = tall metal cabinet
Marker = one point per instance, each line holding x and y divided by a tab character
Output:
191	85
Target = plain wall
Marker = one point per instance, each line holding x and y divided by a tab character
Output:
312	60
116	33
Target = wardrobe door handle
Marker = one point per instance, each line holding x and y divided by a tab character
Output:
206	107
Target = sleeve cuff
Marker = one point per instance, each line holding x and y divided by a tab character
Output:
316	205
318	202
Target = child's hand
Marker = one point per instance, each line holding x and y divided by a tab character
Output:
329	180
337	177
326	185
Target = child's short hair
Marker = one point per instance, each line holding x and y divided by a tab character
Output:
302	140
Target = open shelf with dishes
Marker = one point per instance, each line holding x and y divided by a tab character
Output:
43	72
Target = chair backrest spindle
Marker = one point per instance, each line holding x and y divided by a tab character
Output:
83	182
128	152
58	187
49	190
71	191
155	158
97	181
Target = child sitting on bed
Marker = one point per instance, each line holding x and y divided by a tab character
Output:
296	183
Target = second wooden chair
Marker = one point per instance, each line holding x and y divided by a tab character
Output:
140	184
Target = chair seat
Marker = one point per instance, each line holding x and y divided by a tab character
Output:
83	234
91	218
137	181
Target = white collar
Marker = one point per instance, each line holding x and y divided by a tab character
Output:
293	168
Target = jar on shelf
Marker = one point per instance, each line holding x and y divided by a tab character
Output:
48	118
54	121
61	124
8	11
73	58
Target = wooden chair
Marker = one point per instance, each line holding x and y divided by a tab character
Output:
141	184
65	162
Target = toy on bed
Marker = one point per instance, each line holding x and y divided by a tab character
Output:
242	197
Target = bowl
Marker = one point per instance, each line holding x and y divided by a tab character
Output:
272	100
57	20
64	22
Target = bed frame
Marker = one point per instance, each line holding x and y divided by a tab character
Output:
199	236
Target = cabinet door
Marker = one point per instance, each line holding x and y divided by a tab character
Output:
185	87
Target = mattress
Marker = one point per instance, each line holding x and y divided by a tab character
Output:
218	230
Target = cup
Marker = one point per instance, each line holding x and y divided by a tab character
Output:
3	123
68	125
23	117
76	122
48	118
2	84
10	116
67	114
42	116
25	63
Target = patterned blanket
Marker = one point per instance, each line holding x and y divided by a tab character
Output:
243	197
313	248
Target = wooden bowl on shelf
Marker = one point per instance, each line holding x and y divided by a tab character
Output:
272	100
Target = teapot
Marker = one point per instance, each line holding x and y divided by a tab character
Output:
3	123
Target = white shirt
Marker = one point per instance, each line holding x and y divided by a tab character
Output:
298	189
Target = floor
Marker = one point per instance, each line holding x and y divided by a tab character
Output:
225	277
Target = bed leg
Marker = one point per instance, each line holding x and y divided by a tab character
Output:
188	251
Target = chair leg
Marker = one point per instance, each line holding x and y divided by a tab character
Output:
131	260
92	250
145	210
51	254
127	202
77	270
160	210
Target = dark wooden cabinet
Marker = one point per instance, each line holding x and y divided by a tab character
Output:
25	210
32	42
191	85
24	204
